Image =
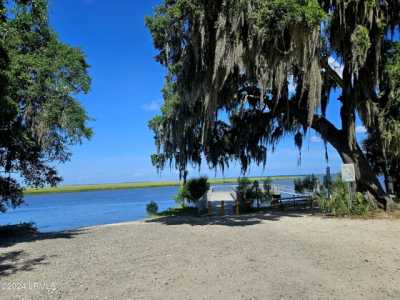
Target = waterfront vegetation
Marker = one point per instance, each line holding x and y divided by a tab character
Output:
136	185
242	76
328	197
249	192
338	201
152	208
192	190
179	211
40	115
99	187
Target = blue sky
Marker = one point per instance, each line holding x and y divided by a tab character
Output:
125	94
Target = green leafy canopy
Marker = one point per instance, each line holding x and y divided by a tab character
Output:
242	74
39	114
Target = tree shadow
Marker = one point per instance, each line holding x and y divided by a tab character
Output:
18	260
248	219
15	261
37	236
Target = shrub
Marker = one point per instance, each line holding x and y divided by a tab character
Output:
361	206
258	194
338	203
196	188
245	193
152	208
192	191
267	194
181	196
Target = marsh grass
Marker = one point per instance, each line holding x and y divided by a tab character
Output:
99	187
134	185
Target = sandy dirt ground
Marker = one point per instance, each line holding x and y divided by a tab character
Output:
272	256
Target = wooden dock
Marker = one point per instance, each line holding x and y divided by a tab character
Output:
227	199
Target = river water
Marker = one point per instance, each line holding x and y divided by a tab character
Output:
65	211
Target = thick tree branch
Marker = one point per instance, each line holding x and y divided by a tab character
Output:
332	73
338	140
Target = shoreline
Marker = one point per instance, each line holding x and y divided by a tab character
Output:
137	185
200	219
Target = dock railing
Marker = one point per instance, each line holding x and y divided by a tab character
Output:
227	198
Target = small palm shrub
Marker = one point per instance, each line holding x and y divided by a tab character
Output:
361	206
192	191
267	193
152	208
196	188
245	193
248	192
258	193
339	202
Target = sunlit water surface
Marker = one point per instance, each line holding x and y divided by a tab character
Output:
64	211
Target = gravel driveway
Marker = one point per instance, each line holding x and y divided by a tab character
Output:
272	256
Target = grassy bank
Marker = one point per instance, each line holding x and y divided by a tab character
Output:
134	185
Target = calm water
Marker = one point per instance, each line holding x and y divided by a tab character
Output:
57	212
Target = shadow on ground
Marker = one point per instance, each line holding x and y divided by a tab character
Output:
16	261
36	236
19	261
233	220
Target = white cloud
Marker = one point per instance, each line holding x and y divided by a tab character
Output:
154	105
338	67
315	139
361	130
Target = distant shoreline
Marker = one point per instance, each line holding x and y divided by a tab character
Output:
136	185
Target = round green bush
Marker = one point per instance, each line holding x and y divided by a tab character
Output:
152	208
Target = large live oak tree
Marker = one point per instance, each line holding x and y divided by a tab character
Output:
39	116
268	65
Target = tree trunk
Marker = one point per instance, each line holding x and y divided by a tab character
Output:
345	143
347	147
366	178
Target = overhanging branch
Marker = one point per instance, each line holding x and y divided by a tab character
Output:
332	73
